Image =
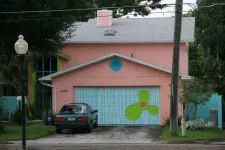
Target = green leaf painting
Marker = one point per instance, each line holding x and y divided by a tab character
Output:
133	112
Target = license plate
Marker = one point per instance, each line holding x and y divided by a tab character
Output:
71	119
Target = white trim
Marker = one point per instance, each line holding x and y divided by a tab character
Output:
49	77
186	77
187	58
110	41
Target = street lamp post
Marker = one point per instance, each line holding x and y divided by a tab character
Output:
21	48
19	99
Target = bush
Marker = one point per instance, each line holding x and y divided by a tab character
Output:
195	124
2	128
17	117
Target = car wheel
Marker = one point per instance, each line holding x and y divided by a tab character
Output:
96	124
58	131
90	128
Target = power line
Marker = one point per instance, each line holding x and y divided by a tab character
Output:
88	9
39	19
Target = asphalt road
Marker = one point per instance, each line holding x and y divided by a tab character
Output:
116	147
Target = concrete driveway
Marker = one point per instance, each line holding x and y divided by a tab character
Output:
118	134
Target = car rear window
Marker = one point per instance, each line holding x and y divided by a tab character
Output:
73	109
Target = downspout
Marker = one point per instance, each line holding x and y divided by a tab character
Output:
187	58
55	99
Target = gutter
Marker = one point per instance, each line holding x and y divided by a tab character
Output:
55	99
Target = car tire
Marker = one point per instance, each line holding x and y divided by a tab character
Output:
90	128
96	124
58	131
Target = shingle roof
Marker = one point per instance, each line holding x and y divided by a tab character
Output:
133	30
49	77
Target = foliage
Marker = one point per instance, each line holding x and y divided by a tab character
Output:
195	124
189	14
2	128
13	132
17	117
195	92
197	63
194	135
44	32
210	26
143	11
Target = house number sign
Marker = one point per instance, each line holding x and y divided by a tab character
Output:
63	91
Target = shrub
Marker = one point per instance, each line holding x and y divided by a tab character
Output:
2	128
17	117
195	124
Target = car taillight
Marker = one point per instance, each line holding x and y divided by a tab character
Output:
83	118
60	119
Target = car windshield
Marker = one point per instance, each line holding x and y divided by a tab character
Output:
74	109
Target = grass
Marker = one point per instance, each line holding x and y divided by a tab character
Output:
197	135
14	132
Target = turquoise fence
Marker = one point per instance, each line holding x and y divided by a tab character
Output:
10	103
204	110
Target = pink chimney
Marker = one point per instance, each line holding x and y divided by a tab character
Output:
104	18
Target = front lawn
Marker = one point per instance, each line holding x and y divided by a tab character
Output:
198	135
14	132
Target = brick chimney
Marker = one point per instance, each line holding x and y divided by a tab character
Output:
104	18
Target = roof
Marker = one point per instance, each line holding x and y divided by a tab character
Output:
74	68
133	30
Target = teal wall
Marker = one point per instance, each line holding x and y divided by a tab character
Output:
10	103
204	110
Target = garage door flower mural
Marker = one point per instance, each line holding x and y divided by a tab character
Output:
133	112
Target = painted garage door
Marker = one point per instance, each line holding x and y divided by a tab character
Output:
122	106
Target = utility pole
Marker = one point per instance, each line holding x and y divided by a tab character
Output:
175	70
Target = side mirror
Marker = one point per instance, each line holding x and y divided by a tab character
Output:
95	111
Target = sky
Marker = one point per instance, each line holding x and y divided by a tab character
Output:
156	14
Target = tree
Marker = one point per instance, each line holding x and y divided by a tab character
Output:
143	11
44	32
195	92
189	14
210	39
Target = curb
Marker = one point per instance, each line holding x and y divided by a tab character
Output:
194	142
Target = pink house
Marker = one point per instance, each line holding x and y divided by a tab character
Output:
121	67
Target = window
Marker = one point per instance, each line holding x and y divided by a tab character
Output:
73	109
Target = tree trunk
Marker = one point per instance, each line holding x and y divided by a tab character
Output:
195	111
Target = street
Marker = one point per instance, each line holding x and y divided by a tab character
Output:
61	146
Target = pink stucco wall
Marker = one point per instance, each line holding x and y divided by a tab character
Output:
100	74
156	53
